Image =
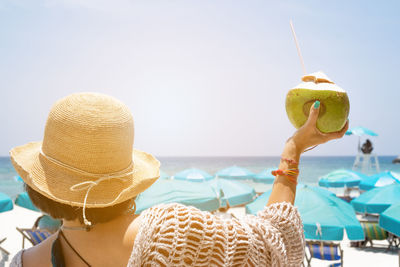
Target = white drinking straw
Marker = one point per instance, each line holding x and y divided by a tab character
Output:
298	48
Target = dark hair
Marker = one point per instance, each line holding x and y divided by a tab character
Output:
63	211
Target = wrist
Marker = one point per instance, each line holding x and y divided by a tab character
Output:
292	150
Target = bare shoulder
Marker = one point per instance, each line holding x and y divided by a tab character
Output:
39	255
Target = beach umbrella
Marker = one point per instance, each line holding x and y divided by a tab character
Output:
235	172
194	175
390	219
360	131
23	200
199	195
378	199
18	179
234	192
6	203
341	178
379	180
265	176
163	175
324	215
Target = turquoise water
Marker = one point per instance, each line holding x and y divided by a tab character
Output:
311	168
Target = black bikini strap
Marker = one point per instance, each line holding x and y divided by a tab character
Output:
57	256
76	252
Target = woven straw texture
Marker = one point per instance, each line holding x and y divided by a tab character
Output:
88	138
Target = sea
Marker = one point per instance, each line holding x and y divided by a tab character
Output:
311	167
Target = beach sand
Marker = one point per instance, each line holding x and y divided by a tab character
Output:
365	257
17	217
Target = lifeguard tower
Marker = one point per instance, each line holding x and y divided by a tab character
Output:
365	162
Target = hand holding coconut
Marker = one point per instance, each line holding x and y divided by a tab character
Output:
318	108
334	102
309	135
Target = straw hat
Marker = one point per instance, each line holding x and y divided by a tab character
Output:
86	158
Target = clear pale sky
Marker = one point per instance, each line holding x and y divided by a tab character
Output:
202	78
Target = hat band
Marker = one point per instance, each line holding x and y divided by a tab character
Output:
74	169
88	185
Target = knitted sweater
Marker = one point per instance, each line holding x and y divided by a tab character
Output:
177	235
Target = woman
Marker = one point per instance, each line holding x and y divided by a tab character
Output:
86	172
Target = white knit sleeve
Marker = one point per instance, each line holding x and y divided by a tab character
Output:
17	259
177	235
281	228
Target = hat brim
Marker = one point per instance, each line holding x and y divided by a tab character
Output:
55	183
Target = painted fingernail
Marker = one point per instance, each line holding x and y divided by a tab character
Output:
316	104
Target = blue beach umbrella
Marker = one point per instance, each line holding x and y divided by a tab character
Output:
341	178
360	131
390	219
377	200
379	180
6	203
163	175
199	195
194	175
235	172
324	215
23	200
18	179
265	176
235	193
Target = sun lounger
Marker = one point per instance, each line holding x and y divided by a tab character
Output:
372	232
3	253
324	251
394	241
43	227
35	236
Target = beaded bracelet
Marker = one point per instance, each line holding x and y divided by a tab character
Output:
290	174
290	161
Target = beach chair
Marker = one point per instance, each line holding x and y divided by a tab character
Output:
35	236
3	253
394	241
43	227
328	251
373	231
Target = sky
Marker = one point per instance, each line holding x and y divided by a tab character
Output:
202	78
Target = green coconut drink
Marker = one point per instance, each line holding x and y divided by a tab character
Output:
334	108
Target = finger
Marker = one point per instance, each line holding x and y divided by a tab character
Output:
314	111
345	128
341	133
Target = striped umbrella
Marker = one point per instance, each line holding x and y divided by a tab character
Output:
377	200
235	172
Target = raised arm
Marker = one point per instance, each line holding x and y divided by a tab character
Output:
284	189
177	235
